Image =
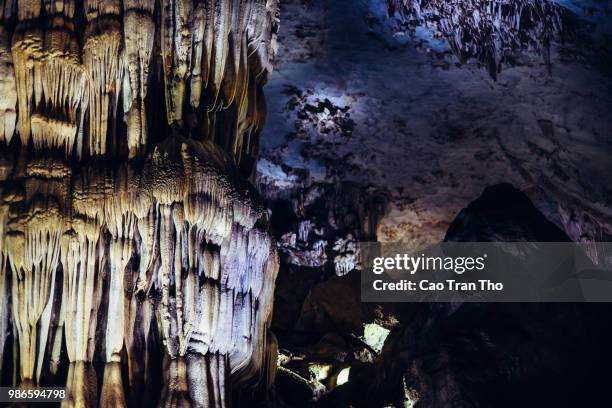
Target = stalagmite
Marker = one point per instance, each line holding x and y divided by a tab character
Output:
119	242
81	386
112	392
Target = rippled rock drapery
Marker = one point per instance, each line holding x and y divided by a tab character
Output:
128	228
76	63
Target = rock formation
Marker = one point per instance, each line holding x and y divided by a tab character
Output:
128	227
488	31
501	354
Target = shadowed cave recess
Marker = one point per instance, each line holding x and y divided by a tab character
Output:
170	236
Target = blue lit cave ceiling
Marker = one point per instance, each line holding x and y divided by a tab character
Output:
423	109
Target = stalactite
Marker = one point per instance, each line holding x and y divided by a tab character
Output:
56	348
29	9
27	49
82	290
62	82
48	75
222	15
33	247
228	81
488	31
120	254
215	319
121	243
65	7
200	58
213	52
139	34
99	8
121	220
103	63
209	32
262	28
8	102
176	53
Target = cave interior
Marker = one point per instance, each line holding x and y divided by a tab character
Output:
185	186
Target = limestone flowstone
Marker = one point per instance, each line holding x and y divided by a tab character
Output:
125	234
69	79
183	231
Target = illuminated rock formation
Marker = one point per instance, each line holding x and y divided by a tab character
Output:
125	234
488	31
8	114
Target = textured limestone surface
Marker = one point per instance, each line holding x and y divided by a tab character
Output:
136	264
